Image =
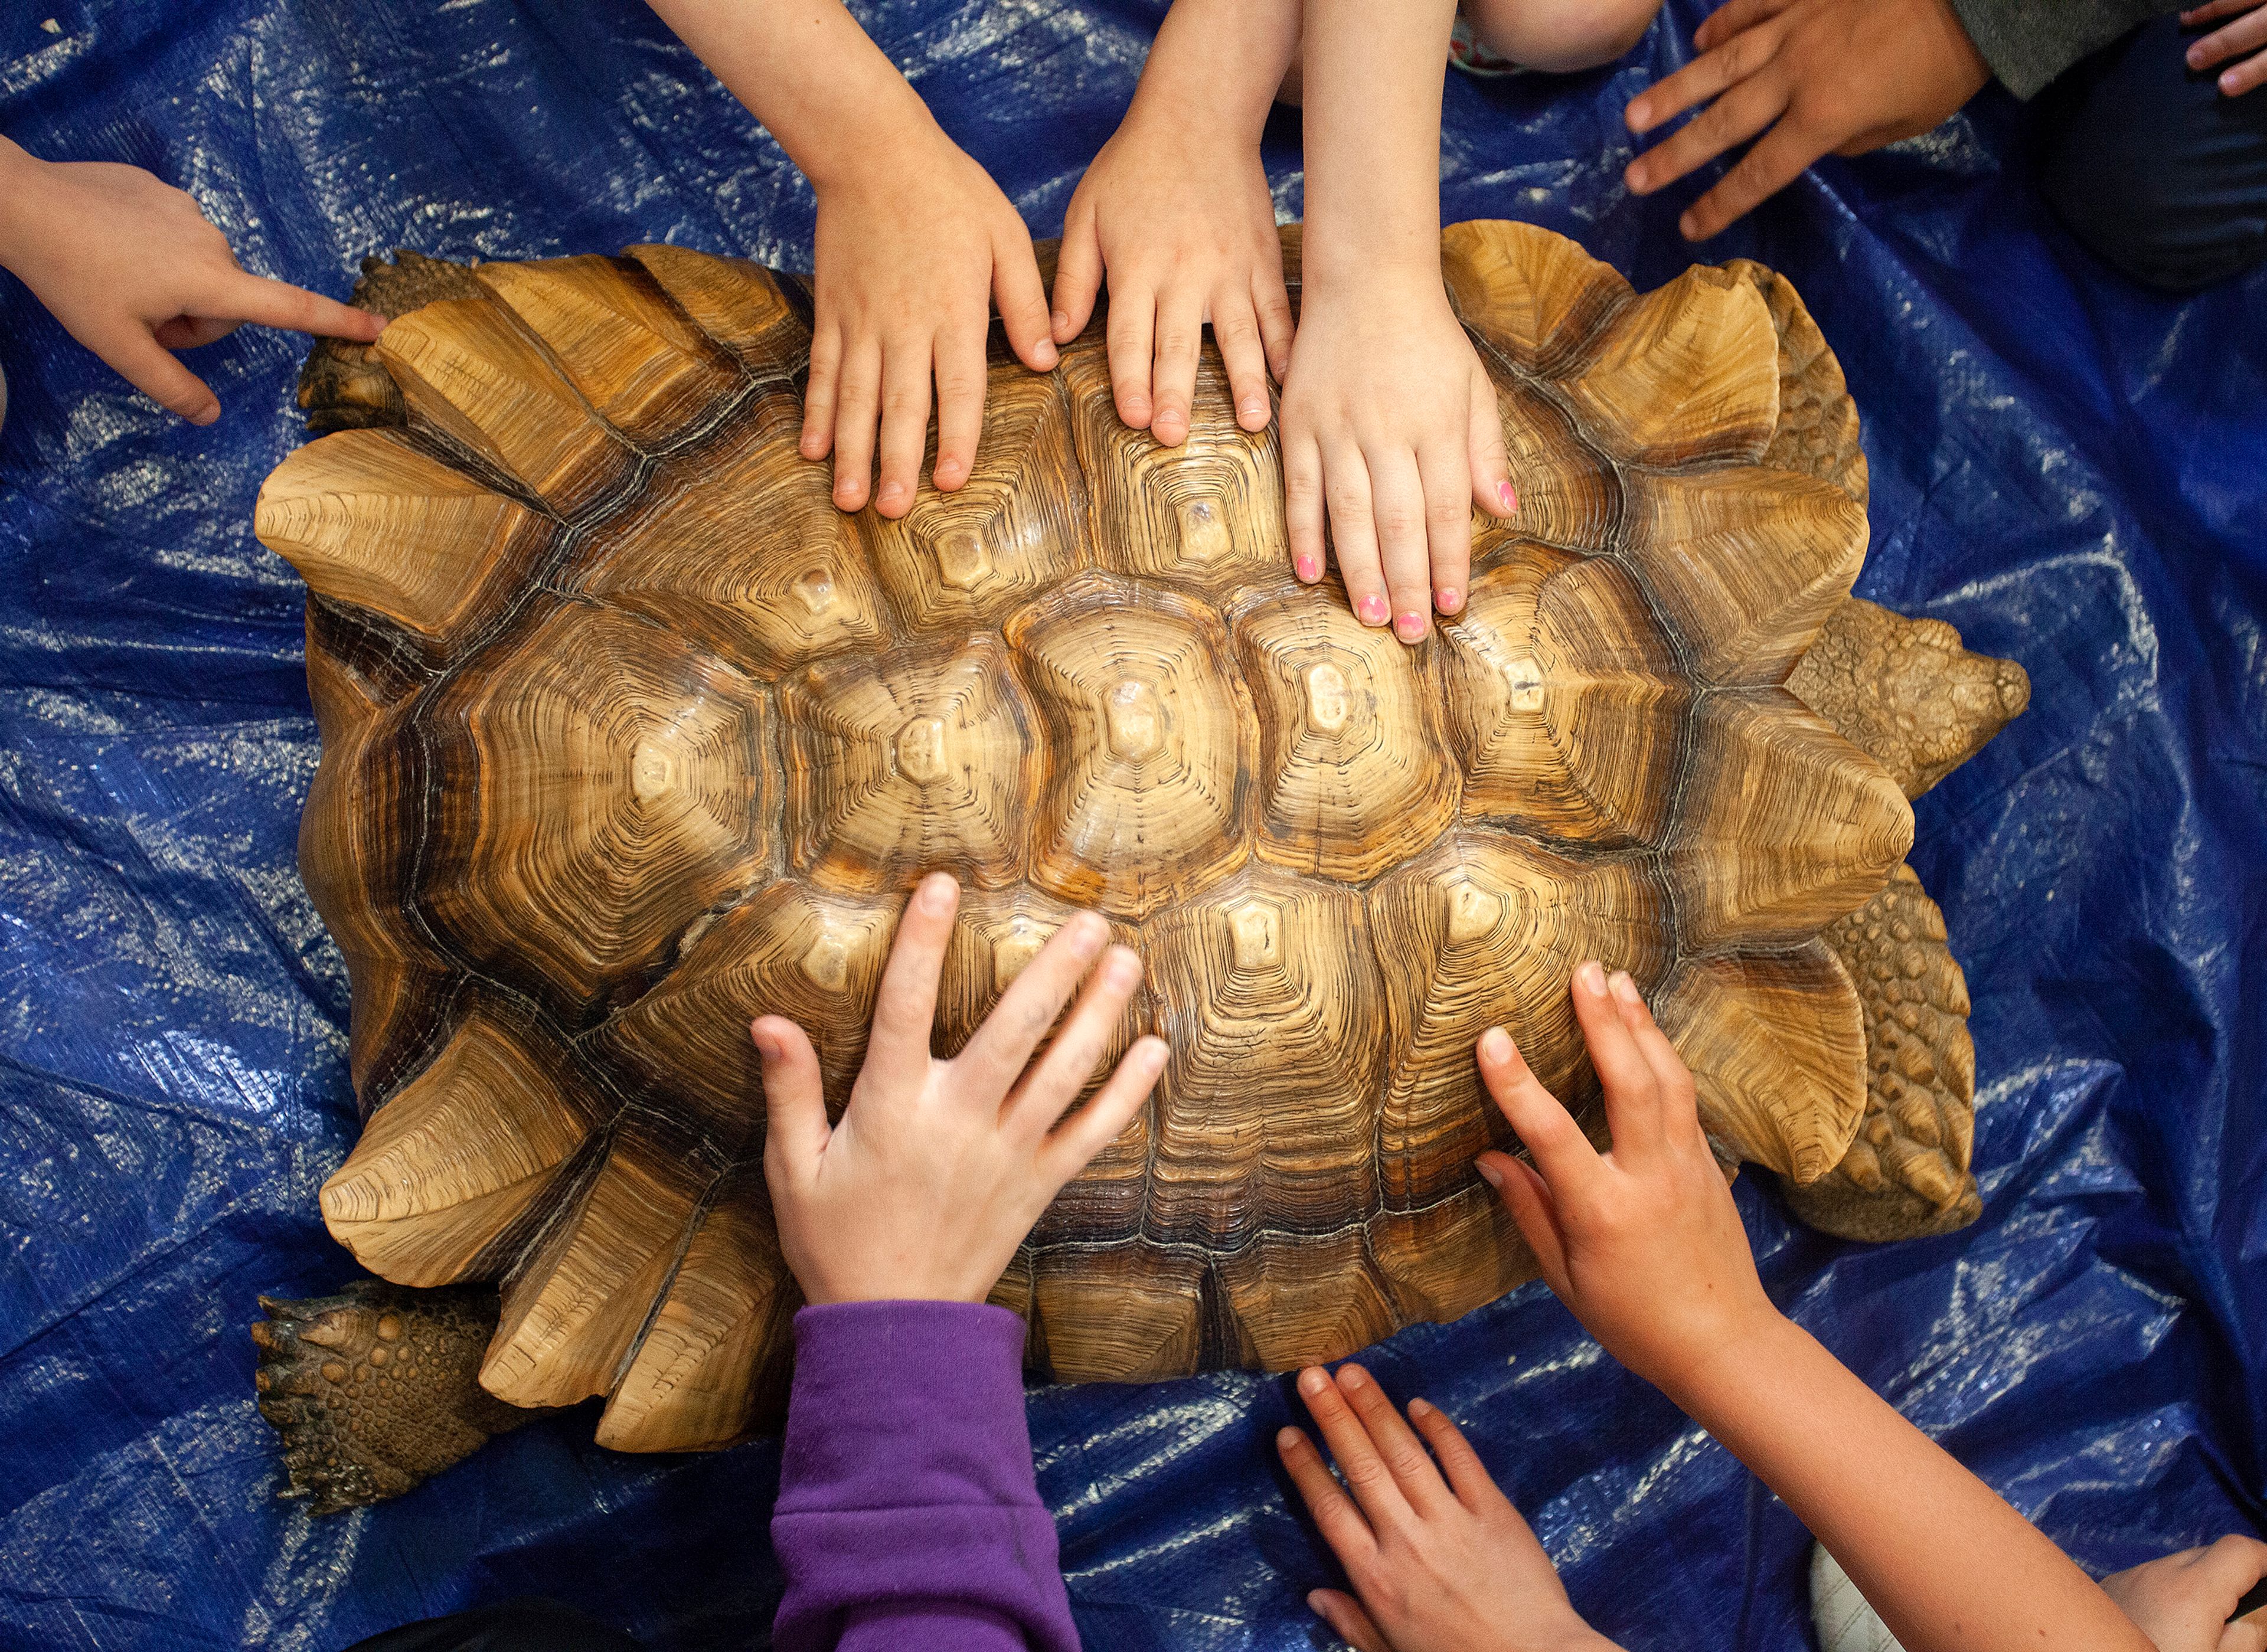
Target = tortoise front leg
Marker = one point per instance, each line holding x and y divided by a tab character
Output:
376	1389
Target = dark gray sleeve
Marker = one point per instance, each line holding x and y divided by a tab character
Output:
2028	42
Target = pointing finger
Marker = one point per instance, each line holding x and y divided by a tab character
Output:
1560	1151
1001	1048
273	304
794	1098
1334	1514
1633	1093
904	1010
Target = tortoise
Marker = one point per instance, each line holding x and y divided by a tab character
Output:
629	734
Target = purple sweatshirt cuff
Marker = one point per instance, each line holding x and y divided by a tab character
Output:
907	1513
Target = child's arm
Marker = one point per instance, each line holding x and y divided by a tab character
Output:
1390	421
1646	1246
135	271
914	243
907	1513
1176	210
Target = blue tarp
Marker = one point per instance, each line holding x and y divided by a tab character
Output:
2065	468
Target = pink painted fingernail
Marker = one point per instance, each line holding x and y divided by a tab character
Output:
1509	495
1304	566
1448	599
1370	611
1409	627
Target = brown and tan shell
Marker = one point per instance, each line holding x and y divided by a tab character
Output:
629	735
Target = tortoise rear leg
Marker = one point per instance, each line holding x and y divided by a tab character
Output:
376	1389
1907	1173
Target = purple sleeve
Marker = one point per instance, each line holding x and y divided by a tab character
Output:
909	1514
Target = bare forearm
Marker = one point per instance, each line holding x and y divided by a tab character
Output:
806	71
1219	61
1372	90
1948	1564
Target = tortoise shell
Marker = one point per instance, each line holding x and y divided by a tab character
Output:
629	734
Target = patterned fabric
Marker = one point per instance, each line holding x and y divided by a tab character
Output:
1466	53
1840	1614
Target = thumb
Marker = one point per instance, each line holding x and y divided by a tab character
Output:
1492	488
1344	1613
1078	274
1023	299
137	359
794	1098
1527	1196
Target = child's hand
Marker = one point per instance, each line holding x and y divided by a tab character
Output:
134	271
1814	77
1390	423
912	250
2247	33
1643	1243
1440	1567
1179	213
2182	1602
939	1168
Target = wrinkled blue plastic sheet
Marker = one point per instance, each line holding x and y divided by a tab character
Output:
2068	469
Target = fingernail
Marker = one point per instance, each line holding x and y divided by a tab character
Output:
1045	353
1312	1381
1315	1604
1061	319
2228	82
1624	988
1591	977
1637	176
2196	57
1640	110
1287	1439
1689	227
1448	599
1123	971
205	415
1352	1376
1088	931
1255	409
1152	1053
765	1044
1409	626
936	893
892	492
1306	569
1507	494
1370	611
1496	1045
1489	1173
1419	1407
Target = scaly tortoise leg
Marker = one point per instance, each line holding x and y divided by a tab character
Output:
376	1389
1907	1172
342	386
1909	695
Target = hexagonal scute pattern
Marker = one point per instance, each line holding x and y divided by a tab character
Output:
629	735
